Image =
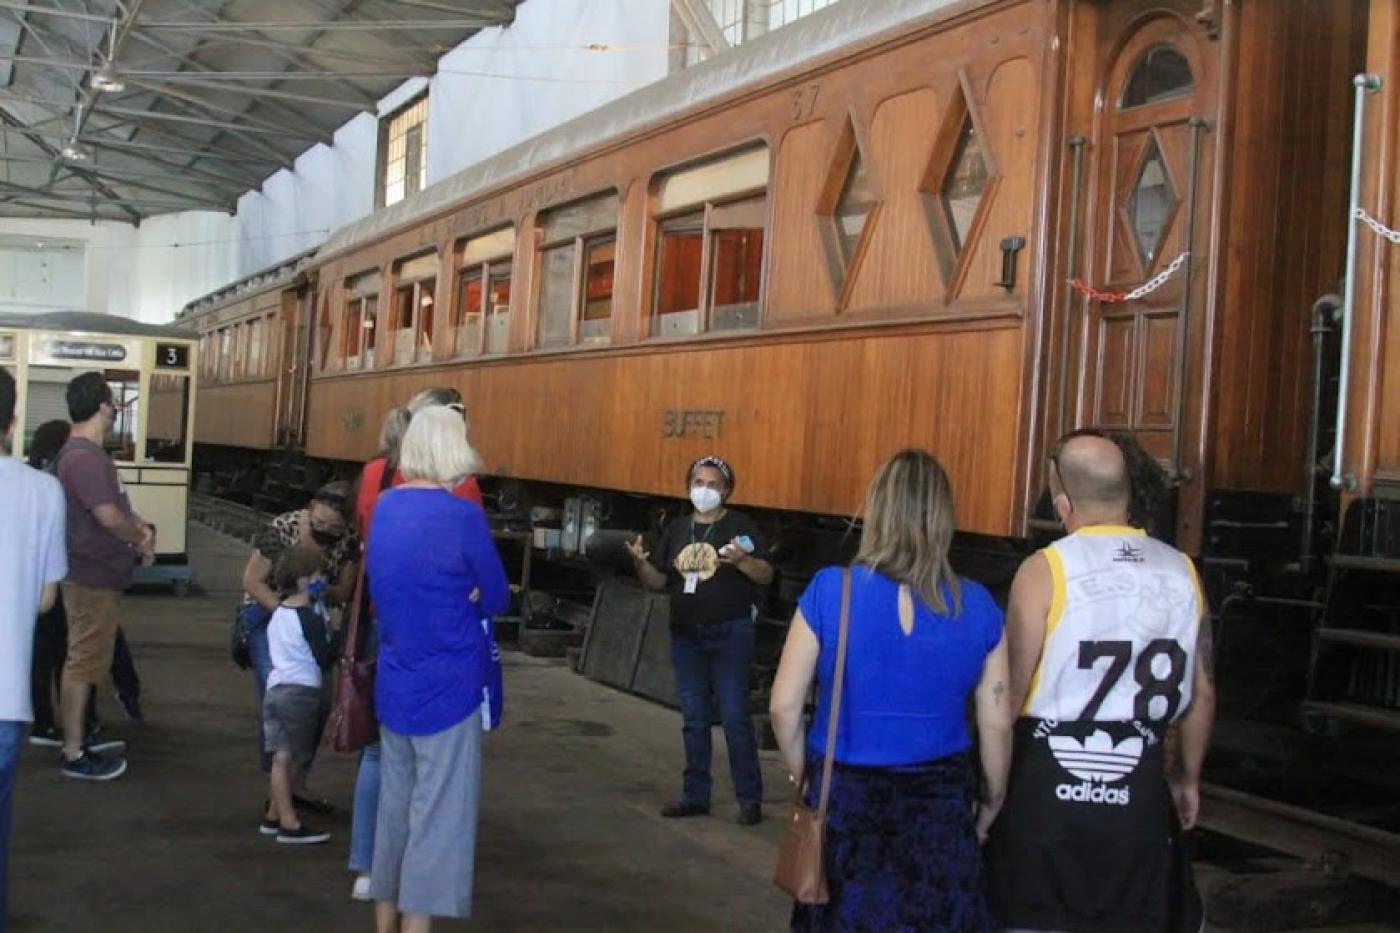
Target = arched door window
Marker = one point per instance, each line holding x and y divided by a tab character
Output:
1162	73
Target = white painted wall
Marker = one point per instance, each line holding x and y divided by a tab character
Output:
499	87
103	279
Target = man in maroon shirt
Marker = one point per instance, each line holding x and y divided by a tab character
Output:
105	540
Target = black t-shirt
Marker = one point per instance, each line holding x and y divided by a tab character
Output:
721	592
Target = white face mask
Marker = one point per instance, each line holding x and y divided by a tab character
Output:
705	499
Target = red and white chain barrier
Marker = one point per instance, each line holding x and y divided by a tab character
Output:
1151	285
1380	229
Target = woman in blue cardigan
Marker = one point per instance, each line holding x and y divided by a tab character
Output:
436	580
902	831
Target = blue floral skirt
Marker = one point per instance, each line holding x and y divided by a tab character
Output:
901	851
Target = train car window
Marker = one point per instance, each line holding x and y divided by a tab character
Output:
1150	203
736	263
577	258
225	352
679	269
255	347
167	418
126	389
45	398
466	316
323	335
498	278
1161	74
483	293
357	340
709	268
556	295
595	320
853	207
7	347
415	294
962	191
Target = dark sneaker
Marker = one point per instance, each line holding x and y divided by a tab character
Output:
318	805
132	705
269	827
90	767
303	835
48	737
683	809
750	814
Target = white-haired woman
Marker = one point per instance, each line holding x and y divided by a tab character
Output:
436	580
901	845
379	474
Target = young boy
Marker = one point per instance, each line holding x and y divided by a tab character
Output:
302	646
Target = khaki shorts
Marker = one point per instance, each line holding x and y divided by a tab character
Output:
92	631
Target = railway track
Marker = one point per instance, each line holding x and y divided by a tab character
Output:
232	518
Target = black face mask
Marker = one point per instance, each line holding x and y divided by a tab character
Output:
325	537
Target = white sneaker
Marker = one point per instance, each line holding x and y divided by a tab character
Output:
360	891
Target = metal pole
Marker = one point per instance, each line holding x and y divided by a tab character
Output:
1076	145
1364	84
1199	125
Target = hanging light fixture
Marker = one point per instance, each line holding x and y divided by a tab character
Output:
105	78
73	150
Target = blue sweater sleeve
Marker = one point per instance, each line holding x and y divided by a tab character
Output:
480	549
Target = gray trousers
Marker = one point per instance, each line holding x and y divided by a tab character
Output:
425	840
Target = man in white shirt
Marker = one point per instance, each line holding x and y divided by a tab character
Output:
33	558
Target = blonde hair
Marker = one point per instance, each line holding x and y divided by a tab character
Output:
435	448
909	528
391	433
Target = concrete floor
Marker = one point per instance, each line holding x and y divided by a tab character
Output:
569	836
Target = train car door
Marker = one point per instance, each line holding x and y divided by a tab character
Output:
1147	206
296	314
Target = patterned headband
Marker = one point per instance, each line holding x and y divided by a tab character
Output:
718	464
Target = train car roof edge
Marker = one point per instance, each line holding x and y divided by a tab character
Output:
92	322
820	33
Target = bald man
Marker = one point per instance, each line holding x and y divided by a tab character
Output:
1110	645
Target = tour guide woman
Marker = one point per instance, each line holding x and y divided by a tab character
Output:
901	847
711	563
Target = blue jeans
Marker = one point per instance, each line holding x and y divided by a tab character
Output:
715	660
11	738
365	815
255	619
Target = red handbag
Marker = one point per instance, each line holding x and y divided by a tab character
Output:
353	724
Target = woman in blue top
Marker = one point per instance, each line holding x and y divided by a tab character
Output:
902	832
436	580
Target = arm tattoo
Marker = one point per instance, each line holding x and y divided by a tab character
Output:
998	692
1205	647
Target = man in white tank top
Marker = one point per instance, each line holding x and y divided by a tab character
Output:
1110	645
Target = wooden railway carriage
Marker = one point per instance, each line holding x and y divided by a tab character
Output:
856	234
149	369
965	225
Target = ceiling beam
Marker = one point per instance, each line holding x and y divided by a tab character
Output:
36	9
48	210
209	106
367	105
183	202
10	120
118	172
332	25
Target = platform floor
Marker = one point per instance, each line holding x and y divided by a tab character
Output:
569	836
569	839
